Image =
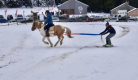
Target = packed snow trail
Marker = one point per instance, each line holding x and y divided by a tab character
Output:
23	55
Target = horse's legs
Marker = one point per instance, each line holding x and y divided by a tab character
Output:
59	37
44	40
61	40
50	41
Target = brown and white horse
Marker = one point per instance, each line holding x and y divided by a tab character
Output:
56	30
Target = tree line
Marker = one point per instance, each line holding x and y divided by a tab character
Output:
15	3
94	5
27	3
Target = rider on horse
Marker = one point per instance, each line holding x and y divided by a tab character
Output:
48	22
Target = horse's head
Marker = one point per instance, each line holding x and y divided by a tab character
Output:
36	25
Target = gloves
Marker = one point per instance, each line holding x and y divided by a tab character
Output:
101	33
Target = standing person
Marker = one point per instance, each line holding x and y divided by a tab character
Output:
48	22
111	30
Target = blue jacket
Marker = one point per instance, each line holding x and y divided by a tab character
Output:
49	19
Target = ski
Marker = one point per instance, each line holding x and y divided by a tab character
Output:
104	47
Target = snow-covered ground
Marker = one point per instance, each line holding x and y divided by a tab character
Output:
23	55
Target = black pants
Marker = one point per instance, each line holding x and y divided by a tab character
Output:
47	27
108	41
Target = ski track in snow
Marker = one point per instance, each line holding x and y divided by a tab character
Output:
125	31
23	55
51	59
15	49
65	55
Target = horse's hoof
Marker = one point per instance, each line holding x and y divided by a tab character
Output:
60	43
46	43
51	46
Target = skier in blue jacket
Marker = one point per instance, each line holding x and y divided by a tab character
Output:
111	30
48	22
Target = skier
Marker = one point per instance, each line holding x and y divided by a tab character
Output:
111	30
48	22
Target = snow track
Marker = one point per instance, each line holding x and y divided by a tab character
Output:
123	32
21	42
23	55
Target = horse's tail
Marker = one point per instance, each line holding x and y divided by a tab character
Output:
68	32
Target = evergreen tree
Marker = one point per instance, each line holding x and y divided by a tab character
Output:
13	4
27	3
1	4
18	3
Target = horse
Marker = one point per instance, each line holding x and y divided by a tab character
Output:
55	30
